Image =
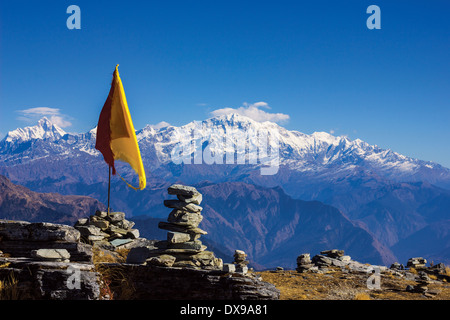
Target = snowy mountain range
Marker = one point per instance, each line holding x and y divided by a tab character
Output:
389	195
315	154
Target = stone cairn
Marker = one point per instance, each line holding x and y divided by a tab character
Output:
304	263
416	263
397	266
182	247
422	285
107	230
326	258
240	263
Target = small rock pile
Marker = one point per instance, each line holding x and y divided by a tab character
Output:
304	263
416	263
107	229
397	266
422	285
240	261
182	247
327	258
437	268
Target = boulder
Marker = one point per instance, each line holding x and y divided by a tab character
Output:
229	267
120	242
115	217
195	199
333	253
183	217
61	255
322	261
139	255
163	260
193	245
180	228
179	189
39	231
133	234
178	237
178	204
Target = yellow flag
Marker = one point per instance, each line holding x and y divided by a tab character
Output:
116	137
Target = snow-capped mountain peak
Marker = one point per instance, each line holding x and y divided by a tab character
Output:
44	129
319	152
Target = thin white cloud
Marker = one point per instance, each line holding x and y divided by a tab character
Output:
254	112
32	115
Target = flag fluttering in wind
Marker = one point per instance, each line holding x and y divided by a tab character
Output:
116	137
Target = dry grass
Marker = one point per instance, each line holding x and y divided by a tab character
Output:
106	256
337	285
9	288
447	271
361	296
113	283
413	270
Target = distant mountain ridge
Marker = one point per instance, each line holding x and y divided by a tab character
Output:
20	203
371	186
274	228
269	225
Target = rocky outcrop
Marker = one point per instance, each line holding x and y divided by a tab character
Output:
416	270
49	280
46	261
107	230
331	258
152	282
21	239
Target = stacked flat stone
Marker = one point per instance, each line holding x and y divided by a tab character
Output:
397	266
104	229
182	247
333	253
240	261
329	258
422	285
416	263
304	263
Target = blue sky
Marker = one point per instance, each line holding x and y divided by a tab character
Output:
314	62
